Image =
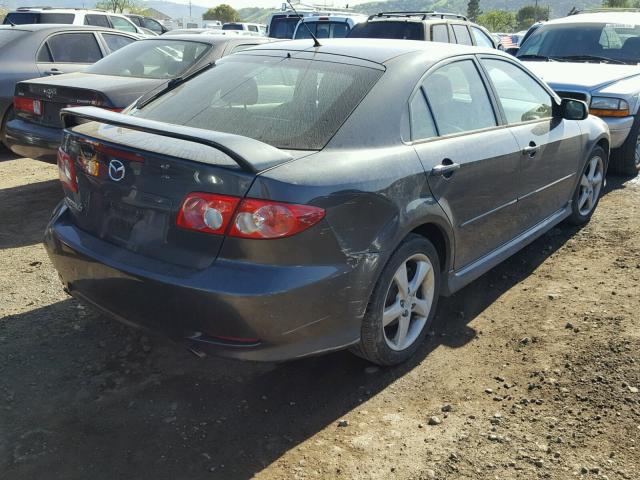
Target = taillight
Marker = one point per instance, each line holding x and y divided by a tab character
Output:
29	105
207	212
264	219
249	218
67	171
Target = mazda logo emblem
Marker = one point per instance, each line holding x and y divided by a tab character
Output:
116	170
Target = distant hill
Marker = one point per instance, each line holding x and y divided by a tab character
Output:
559	8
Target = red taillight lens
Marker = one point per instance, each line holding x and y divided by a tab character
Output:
67	171
28	105
207	212
251	218
263	219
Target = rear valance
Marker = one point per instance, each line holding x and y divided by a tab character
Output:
251	155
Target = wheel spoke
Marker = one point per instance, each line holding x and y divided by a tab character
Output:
583	199
422	270
585	181
597	179
422	307
391	313
593	167
590	201
401	334
402	280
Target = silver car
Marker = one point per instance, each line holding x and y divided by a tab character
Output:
594	57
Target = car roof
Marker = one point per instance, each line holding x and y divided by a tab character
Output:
376	50
213	39
622	18
55	9
40	27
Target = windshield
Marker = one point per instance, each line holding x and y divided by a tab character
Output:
584	42
322	29
160	58
396	30
283	27
285	102
25	18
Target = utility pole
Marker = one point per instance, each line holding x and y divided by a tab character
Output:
536	14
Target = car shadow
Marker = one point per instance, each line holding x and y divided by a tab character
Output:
616	182
25	212
115	411
6	154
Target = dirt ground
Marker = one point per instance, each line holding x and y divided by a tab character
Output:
533	372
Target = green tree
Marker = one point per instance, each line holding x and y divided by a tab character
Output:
616	3
529	15
117	6
473	10
223	12
498	20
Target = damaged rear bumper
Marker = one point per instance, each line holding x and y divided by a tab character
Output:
234	309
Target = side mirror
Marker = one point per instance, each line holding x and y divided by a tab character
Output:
571	109
512	51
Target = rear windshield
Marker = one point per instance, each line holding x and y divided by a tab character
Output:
162	58
285	102
322	29
232	26
585	42
25	18
283	27
396	30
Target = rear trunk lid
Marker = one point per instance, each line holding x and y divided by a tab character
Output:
82	89
131	181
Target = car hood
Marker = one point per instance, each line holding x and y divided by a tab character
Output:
586	76
120	90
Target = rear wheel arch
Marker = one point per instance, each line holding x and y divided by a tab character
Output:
440	239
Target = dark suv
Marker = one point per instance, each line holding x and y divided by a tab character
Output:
428	26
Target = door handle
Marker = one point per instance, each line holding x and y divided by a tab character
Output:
446	169
54	71
531	150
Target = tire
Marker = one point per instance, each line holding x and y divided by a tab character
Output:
385	345
7	116
626	159
589	189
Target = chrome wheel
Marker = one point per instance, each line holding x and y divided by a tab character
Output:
637	152
590	186
408	302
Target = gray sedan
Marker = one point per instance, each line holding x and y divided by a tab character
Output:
28	51
284	203
113	83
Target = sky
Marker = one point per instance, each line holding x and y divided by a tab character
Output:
269	3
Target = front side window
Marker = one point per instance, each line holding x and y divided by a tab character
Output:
74	48
584	42
462	35
521	97
116	42
159	58
422	126
123	25
459	99
482	40
440	33
285	102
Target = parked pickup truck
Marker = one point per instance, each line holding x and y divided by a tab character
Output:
594	57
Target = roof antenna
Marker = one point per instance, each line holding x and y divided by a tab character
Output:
316	43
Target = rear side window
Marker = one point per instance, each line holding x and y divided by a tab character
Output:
422	126
74	48
285	102
122	24
97	21
24	18
152	25
384	29
462	35
440	33
482	40
459	99
323	30
116	42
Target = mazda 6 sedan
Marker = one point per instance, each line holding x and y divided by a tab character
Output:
295	200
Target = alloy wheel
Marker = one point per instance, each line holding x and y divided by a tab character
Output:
408	302
637	152
590	185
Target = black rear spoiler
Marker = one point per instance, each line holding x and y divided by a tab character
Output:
251	155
